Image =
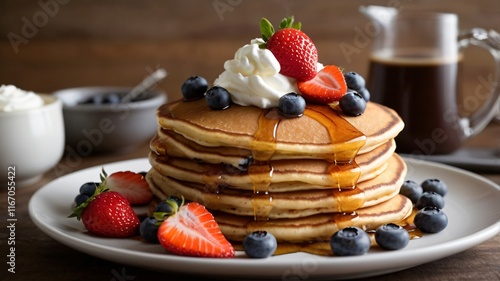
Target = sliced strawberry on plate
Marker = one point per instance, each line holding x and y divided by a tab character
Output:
326	87
192	231
131	185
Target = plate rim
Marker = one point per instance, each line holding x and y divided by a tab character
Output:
118	255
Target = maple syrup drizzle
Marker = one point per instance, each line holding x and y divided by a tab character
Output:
261	170
349	199
263	146
340	132
212	177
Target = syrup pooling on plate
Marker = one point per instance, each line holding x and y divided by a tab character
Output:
322	248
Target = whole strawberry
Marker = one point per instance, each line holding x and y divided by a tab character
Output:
107	213
294	50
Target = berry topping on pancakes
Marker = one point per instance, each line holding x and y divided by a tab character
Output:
293	49
326	87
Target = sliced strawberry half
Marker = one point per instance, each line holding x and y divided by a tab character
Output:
193	231
326	87
131	185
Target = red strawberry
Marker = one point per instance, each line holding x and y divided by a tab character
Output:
108	214
328	86
193	231
131	185
293	49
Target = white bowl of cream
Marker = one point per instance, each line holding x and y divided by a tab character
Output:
32	131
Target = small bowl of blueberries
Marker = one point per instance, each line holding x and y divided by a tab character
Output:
108	119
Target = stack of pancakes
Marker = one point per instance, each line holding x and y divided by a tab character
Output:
301	178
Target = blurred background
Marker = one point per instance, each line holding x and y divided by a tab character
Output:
48	45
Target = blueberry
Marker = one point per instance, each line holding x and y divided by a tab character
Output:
365	94
143	174
93	100
194	88
86	101
97	100
112	98
392	237
412	190
149	229
163	207
168	205
350	241
352	103
435	185
431	220
81	198
260	244
89	188
218	98
291	105
430	199
354	81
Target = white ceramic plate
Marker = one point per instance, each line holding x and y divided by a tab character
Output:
472	206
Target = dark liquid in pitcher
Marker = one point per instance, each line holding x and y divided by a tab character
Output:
424	92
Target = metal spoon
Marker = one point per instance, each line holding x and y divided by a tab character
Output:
148	82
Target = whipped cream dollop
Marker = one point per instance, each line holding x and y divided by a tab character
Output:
15	99
253	77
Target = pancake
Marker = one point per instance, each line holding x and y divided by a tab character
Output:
301	179
317	227
288	175
285	204
167	142
322	132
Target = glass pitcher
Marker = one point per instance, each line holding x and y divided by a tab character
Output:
416	69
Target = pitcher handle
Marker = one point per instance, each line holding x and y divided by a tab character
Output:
489	40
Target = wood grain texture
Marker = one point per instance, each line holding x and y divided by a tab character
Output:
79	43
118	43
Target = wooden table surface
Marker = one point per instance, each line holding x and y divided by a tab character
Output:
119	42
39	257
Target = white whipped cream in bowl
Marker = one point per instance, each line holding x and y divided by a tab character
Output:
252	77
32	129
14	99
